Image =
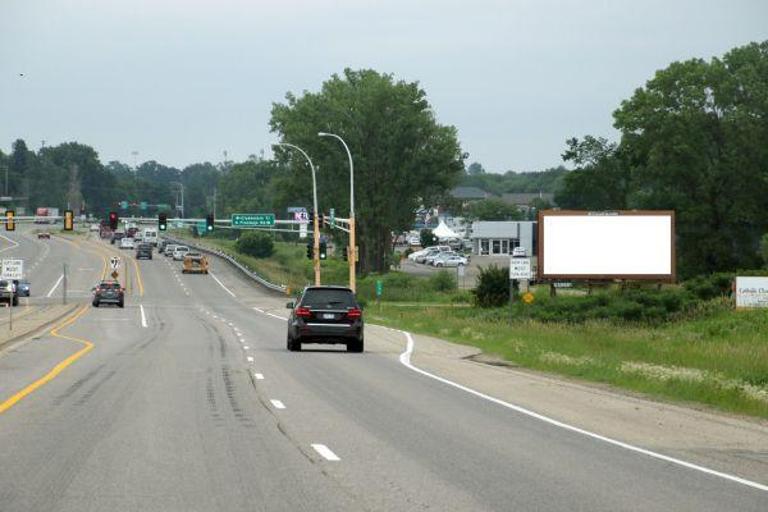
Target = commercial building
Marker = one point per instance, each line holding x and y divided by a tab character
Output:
498	238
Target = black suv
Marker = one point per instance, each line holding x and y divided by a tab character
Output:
144	250
326	314
108	292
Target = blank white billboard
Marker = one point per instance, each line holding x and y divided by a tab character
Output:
630	245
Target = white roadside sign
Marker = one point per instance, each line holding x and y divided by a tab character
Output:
13	269
752	292
519	268
114	262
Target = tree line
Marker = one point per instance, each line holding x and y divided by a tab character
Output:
693	139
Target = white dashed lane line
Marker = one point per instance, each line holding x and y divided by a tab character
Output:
258	376
277	404
326	452
250	359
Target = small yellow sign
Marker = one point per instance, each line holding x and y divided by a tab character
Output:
528	298
115	274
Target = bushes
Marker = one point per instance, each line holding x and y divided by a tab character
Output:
256	244
492	287
442	281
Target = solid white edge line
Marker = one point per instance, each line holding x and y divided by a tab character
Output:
277	404
258	376
221	284
405	359
143	316
258	309
326	452
55	285
277	316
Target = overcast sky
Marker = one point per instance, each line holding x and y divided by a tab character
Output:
182	81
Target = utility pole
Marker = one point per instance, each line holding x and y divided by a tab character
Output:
352	255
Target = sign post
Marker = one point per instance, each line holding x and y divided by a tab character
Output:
12	269
379	291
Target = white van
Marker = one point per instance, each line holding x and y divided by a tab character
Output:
149	236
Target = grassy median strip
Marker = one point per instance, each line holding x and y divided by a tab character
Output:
720	359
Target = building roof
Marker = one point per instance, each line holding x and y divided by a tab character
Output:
496	229
469	193
525	198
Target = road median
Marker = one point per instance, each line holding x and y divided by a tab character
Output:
38	318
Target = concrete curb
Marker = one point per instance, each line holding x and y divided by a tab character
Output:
39	328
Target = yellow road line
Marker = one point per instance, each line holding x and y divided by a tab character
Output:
138	277
87	347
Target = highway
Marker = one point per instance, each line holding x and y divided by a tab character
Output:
187	400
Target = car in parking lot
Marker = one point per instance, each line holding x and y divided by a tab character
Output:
326	314
144	250
179	252
108	292
431	252
127	243
450	260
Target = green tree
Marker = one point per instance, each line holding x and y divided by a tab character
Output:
764	249
494	209
475	168
402	156
248	187
600	180
427	238
695	139
200	181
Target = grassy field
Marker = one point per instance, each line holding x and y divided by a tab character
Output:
709	355
719	358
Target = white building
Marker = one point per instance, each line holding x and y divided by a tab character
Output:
498	238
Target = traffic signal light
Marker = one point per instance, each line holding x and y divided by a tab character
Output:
323	250
310	250
312	217
162	221
69	220
322	220
10	220
209	222
113	221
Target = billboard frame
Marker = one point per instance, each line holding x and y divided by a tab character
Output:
541	249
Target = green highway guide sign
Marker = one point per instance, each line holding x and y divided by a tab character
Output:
251	220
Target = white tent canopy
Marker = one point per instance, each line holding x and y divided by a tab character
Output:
443	231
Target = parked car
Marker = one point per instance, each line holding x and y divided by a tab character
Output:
416	254
451	260
414	240
144	250
127	243
8	292
108	292
22	287
326	314
430	259
179	252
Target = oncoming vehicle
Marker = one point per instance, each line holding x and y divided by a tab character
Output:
143	250
22	287
127	243
179	252
326	314
195	263
8	292
108	292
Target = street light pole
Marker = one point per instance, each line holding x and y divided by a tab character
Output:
352	254
315	225
181	187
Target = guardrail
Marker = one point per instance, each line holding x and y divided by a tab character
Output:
232	261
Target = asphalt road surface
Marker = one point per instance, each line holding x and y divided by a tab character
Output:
187	400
